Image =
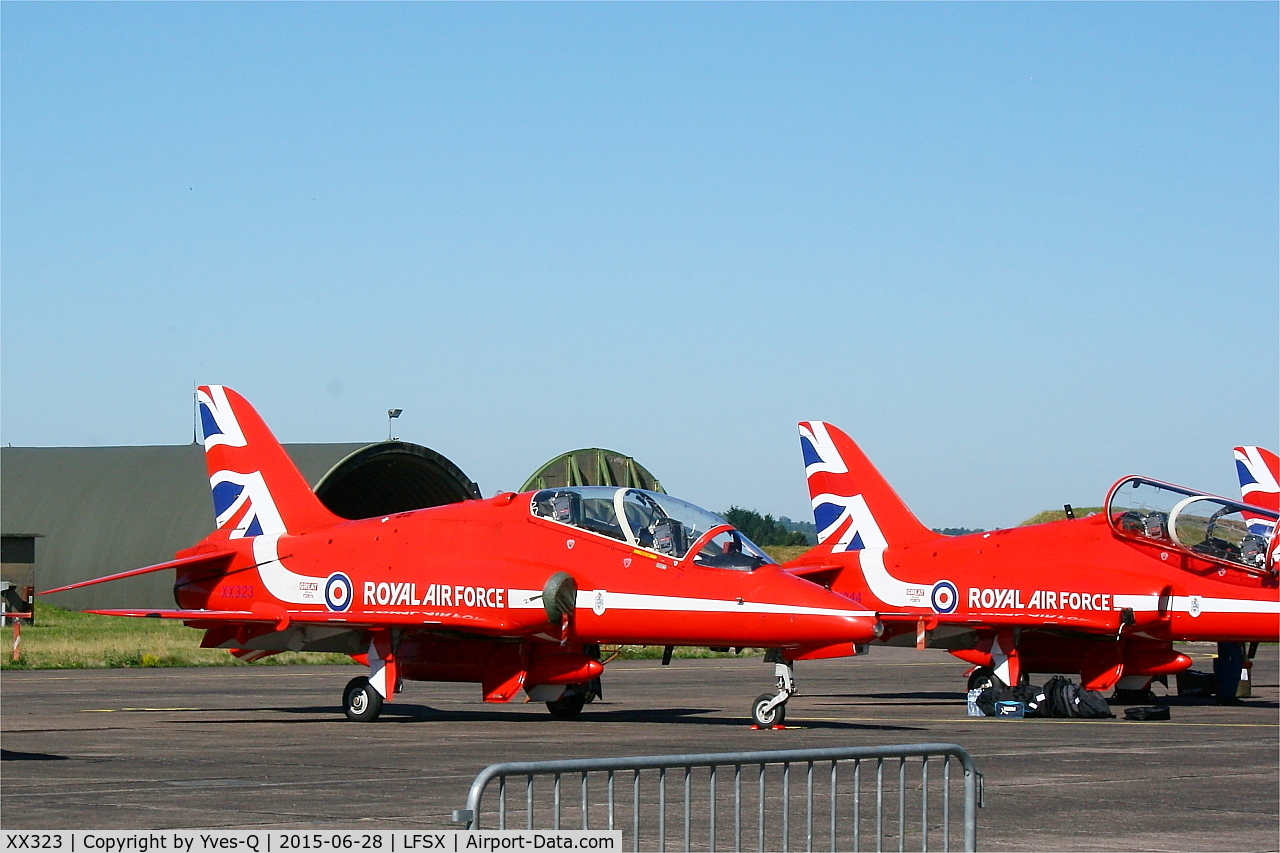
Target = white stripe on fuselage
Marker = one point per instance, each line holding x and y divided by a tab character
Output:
532	598
897	593
1195	604
284	584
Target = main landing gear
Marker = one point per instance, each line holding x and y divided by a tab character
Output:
770	709
360	702
570	703
569	706
982	678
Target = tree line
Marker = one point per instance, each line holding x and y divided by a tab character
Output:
764	530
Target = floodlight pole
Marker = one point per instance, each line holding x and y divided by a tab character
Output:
392	414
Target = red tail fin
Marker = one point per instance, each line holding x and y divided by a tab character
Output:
1259	473
256	487
853	506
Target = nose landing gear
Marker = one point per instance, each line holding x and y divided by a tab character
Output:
770	709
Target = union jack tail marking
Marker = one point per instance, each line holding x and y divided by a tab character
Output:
854	508
257	490
1259	473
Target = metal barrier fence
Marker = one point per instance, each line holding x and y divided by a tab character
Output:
746	797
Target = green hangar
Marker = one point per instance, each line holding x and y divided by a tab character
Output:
84	512
74	513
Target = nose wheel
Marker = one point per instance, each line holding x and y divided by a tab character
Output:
770	709
765	712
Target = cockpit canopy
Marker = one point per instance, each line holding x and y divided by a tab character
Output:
656	522
1207	525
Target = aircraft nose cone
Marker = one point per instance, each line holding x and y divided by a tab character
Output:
827	617
862	627
833	636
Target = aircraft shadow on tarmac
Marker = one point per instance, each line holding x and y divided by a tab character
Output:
411	713
930	698
1199	701
11	755
925	698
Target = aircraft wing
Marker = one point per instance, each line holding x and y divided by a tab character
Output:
282	619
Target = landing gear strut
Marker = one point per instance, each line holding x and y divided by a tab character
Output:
770	709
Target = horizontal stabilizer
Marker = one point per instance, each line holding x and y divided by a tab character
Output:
193	615
215	562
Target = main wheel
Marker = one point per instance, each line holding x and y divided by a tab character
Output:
773	717
360	701
568	706
982	678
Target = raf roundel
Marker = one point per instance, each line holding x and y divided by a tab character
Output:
337	592
943	598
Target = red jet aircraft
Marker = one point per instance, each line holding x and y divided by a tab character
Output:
1104	596
510	592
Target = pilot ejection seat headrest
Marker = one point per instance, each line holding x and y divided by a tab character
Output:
668	538
566	507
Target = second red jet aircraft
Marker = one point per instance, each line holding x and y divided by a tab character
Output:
1104	596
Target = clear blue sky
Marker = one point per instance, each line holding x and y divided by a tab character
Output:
1017	250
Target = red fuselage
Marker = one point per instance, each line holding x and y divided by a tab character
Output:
457	577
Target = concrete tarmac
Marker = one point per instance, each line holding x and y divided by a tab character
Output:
267	747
